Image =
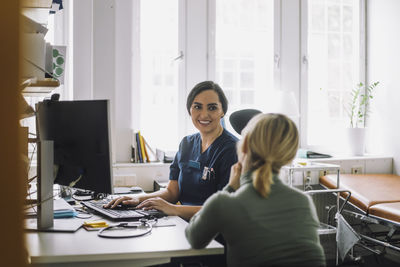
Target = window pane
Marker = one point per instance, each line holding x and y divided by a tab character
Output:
334	67
244	51
159	73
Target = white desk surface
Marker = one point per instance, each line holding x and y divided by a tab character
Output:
85	248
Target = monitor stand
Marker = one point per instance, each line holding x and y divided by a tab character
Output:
46	203
45	185
62	224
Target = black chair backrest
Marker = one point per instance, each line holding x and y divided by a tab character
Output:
240	118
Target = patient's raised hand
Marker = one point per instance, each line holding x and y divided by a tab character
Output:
234	179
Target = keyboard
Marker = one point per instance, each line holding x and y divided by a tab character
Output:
121	213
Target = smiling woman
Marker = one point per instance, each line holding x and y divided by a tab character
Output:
203	162
206	105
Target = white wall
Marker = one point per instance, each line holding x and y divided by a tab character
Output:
383	55
123	80
102	56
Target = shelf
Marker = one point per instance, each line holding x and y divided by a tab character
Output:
37	3
312	166
33	87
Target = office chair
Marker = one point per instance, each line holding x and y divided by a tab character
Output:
240	118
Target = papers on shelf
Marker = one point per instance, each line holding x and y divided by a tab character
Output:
31	26
36	3
33	52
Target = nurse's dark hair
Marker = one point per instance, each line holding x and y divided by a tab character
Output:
204	86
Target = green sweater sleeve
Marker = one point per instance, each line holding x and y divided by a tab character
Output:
205	224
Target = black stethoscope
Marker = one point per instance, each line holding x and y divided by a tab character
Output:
128	229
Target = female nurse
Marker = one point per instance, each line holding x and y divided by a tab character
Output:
203	162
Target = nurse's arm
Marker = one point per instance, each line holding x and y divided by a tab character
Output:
186	212
165	201
170	194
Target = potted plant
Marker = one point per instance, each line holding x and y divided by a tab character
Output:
359	109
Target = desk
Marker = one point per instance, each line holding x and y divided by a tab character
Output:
85	248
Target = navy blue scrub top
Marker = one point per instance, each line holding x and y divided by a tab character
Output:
199	174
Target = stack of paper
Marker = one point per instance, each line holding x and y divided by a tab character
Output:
63	210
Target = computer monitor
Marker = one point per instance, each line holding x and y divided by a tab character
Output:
80	131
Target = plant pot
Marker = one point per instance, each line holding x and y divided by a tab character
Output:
356	141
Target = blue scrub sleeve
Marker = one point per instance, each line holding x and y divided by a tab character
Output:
174	169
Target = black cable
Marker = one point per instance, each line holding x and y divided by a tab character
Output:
31	179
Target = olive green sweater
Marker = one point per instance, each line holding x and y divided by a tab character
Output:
280	230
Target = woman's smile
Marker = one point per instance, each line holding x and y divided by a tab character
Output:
206	112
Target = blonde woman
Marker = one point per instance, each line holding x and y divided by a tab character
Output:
263	221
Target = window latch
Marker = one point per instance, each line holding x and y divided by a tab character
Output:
178	57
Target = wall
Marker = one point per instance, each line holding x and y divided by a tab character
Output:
383	43
102	53
140	174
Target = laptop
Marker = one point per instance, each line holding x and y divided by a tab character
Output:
121	213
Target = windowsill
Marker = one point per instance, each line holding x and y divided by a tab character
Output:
349	157
147	164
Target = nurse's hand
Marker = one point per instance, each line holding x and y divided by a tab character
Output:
234	179
128	201
158	204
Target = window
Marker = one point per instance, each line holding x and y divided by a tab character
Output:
243	62
159	73
334	67
244	51
312	48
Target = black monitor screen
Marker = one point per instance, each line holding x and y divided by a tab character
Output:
80	131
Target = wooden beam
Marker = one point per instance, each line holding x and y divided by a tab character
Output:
12	245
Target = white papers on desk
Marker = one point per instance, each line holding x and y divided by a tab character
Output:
64	219
61	209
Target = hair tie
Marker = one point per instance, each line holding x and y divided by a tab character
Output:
269	161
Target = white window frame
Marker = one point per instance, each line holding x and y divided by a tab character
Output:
196	42
304	68
277	41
